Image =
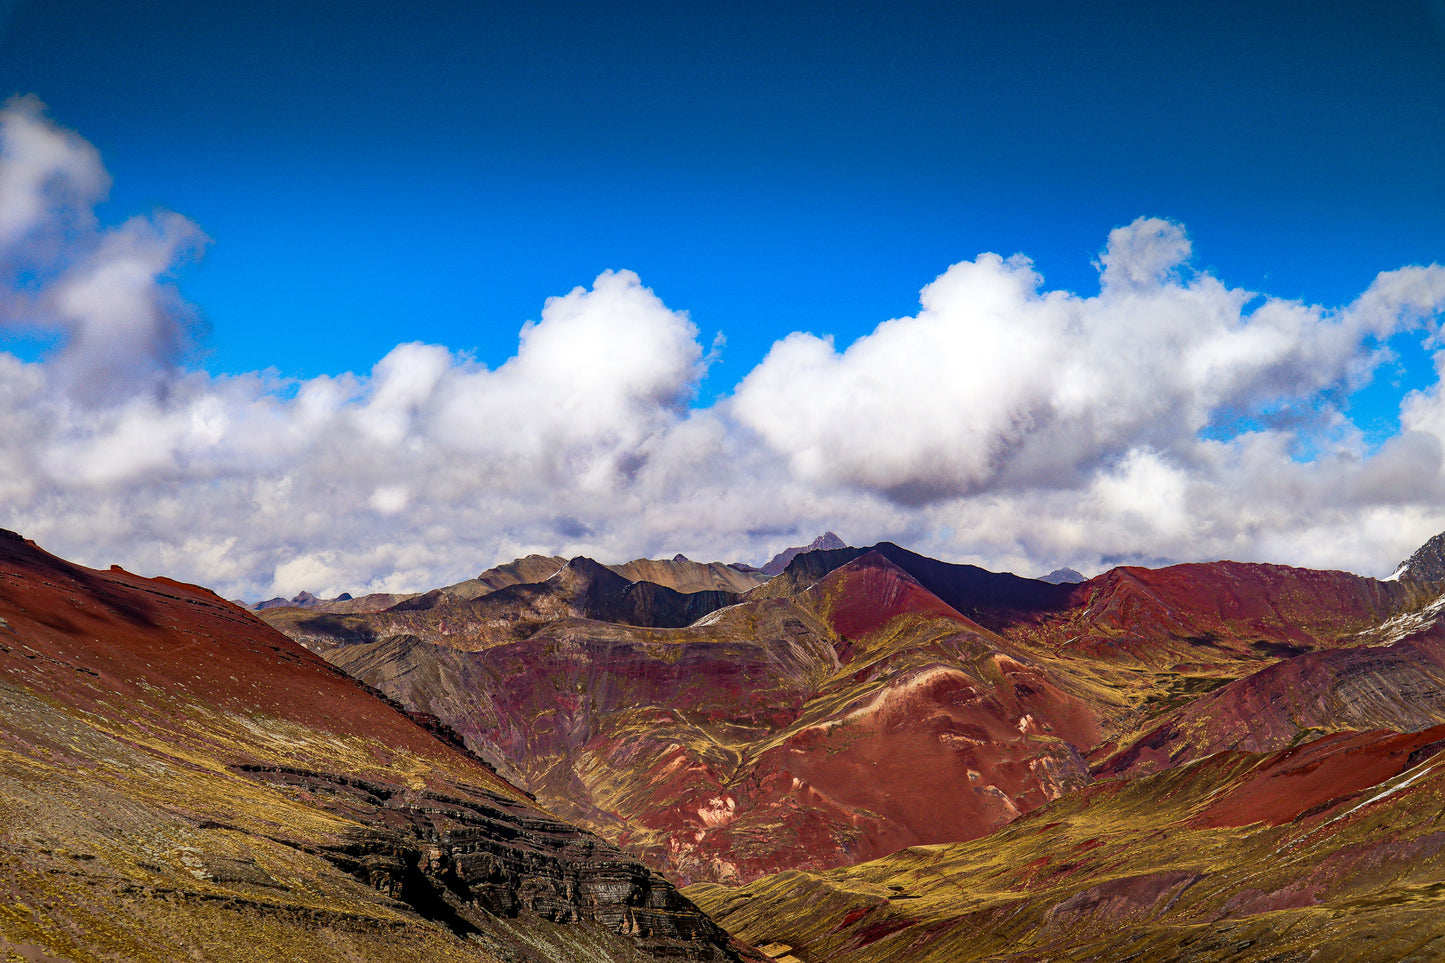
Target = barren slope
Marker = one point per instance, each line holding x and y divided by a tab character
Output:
179	781
1334	850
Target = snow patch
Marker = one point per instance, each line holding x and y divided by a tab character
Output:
1406	778
715	616
1403	626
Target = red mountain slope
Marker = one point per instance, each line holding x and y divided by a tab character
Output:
178	780
1399	686
1219	612
1333	850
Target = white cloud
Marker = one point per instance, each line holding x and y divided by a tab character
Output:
104	290
1144	255
49	178
1005	423
390	499
999	385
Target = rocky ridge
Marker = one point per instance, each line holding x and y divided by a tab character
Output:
679	574
1425	564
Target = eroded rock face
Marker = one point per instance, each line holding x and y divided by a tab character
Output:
465	860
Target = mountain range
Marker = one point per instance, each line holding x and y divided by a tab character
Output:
869	755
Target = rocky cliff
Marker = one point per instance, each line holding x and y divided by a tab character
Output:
1425	564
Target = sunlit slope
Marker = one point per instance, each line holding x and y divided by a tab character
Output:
182	782
1334	850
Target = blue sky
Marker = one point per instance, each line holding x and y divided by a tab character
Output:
370	175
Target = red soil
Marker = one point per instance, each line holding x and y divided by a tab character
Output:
85	636
1321	776
871	591
1237	602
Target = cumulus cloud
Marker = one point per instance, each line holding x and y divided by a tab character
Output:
997	384
49	178
1164	417
104	290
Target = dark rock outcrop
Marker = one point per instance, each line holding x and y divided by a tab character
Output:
461	861
1427	564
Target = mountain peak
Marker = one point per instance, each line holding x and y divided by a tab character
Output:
828	541
1064	576
872	589
1427	564
583	575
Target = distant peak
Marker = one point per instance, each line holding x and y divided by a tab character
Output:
1064	576
584	570
826	542
679	557
302	600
